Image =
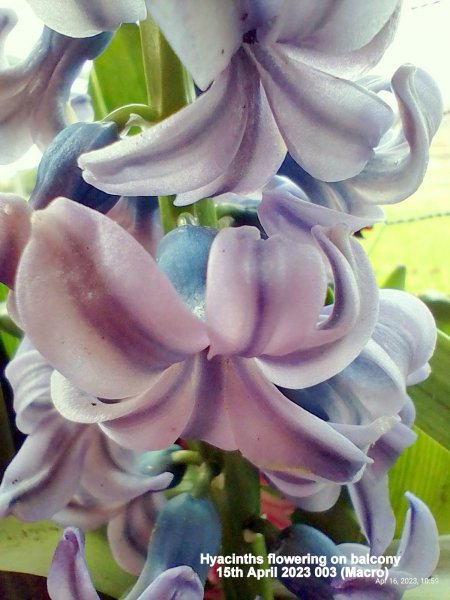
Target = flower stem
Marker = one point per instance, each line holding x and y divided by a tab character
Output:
169	88
236	496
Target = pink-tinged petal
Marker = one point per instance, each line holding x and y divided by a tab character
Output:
283	437
170	157
129	531
329	125
14	231
338	340
398	166
204	33
176	583
210	419
159	414
260	152
106	327
248	309
68	577
86	516
111	475
85	18
44	475
285	209
419	544
29	375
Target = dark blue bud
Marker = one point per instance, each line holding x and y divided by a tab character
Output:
311	544
59	174
185	528
183	256
160	461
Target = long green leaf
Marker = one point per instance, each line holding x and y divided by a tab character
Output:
29	547
117	76
432	397
423	469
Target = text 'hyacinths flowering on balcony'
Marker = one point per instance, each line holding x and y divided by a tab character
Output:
205	377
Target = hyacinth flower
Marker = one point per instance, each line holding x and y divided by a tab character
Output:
75	474
34	93
69	579
417	556
372	386
186	527
164	352
399	163
278	74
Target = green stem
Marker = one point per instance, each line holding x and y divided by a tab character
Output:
236	495
169	88
259	549
121	115
186	457
205	211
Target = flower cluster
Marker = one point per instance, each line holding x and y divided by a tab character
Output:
261	340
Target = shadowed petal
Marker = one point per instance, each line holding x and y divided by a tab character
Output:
332	27
170	157
419	544
330	126
398	166
259	155
34	93
68	577
173	584
44	475
151	420
14	231
106	327
29	375
284	437
83	18
341	336
204	33
248	309
129	531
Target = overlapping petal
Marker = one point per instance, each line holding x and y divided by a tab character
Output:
300	442
87	17
339	338
329	125
204	33
44	475
14	231
398	165
117	329
218	130
248	310
34	93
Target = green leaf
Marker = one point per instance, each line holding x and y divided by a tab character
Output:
439	304
397	279
29	548
432	396
117	76
424	470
